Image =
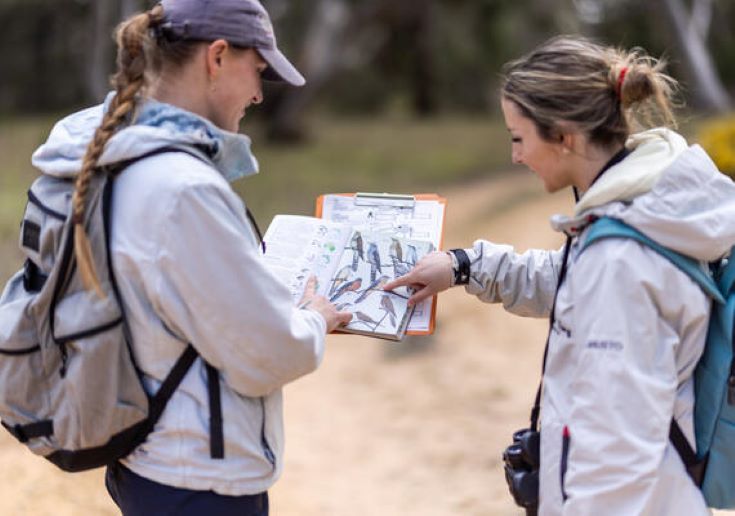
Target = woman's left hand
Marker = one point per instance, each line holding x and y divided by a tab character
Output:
321	305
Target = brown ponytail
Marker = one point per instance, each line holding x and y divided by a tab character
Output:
134	57
605	92
645	92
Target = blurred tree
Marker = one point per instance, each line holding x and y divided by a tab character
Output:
318	60
343	34
98	63
365	56
104	16
690	29
685	25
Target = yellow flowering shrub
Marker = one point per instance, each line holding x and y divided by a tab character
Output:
718	139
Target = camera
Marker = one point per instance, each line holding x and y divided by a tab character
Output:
521	468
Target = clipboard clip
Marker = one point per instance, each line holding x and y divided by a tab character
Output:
384	199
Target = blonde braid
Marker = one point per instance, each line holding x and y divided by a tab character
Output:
134	44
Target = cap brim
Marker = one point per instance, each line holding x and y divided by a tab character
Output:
280	68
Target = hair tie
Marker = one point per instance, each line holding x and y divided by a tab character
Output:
621	78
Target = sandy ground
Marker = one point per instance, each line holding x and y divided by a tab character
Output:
415	428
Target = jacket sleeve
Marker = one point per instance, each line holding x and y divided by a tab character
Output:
524	283
627	318
214	289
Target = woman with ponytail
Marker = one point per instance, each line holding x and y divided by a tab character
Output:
187	255
627	326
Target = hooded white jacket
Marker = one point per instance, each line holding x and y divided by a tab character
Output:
629	330
189	268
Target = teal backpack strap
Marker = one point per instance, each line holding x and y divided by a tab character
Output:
607	227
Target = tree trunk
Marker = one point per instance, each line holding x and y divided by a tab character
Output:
690	35
319	58
100	50
423	79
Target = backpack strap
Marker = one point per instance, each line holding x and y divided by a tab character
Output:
694	466
171	383
607	227
216	434
187	358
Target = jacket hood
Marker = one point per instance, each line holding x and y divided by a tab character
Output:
669	191
157	125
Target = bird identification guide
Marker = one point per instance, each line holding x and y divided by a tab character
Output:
359	245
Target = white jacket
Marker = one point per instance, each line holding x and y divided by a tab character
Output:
190	269
629	330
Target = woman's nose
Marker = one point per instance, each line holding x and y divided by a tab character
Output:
516	158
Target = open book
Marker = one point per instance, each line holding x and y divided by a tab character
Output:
351	266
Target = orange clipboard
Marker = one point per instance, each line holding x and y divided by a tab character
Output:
398	200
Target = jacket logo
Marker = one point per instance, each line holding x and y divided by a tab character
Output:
613	345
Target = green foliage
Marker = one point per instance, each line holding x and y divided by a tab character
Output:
717	136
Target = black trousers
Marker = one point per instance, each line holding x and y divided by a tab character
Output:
138	496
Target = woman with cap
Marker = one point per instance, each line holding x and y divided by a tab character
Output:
627	326
187	260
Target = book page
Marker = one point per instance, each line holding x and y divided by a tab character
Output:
298	247
422	221
369	261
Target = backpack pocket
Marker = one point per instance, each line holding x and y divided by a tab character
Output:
24	370
99	372
41	230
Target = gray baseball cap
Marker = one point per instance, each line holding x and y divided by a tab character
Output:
243	23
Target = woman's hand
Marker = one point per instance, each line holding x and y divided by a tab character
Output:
321	305
431	275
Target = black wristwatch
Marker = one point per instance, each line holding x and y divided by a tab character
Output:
461	266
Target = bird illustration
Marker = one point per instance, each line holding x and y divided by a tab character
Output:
375	285
339	278
373	257
387	305
364	319
357	249
350	286
401	269
411	257
395	251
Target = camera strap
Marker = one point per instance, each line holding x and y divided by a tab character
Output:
562	274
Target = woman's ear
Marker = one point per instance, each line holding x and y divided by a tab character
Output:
567	141
216	52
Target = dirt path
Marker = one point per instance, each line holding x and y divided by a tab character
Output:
386	429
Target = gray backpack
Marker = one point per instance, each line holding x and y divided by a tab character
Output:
69	386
